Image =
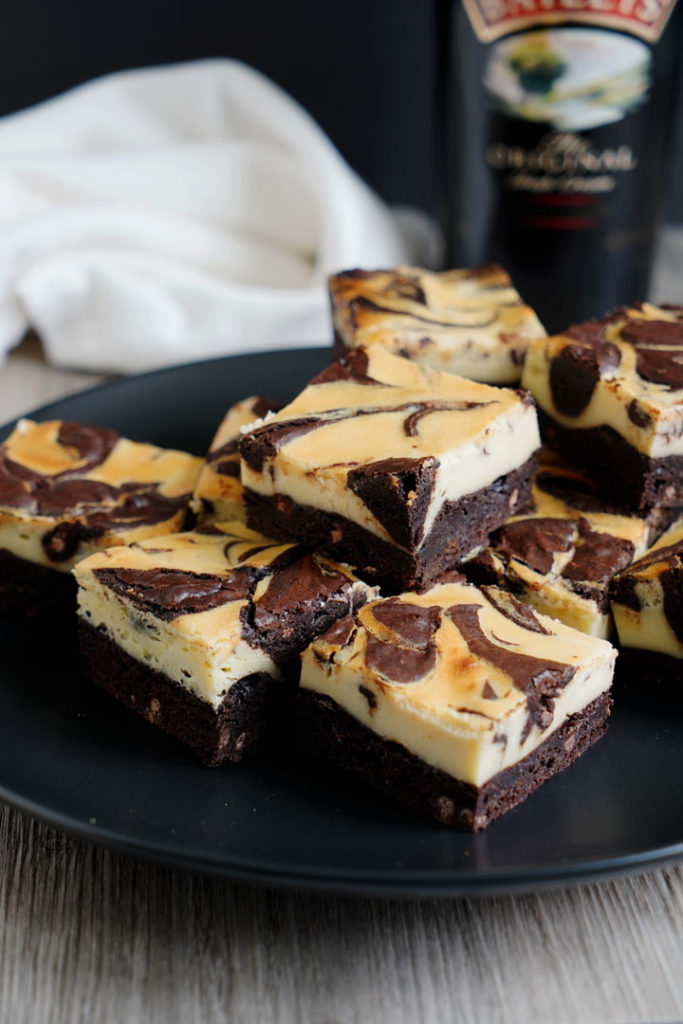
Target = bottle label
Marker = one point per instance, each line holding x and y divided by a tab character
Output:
569	79
562	178
554	96
492	19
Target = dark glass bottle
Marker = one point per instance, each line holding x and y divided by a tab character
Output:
556	124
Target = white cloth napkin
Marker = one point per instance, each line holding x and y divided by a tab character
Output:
176	213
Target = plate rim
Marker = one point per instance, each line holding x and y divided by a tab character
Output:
121	379
358	884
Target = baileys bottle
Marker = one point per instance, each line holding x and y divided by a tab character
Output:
557	122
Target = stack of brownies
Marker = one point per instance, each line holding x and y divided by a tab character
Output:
388	559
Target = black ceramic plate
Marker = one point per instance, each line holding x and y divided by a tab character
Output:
71	756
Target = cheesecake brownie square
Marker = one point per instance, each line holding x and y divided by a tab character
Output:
610	397
199	632
647	603
67	490
398	469
457	701
219	495
561	556
468	322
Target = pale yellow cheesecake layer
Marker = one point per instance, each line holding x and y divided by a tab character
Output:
474	433
656	426
139	596
647	626
461	689
136	477
219	494
551	593
469	322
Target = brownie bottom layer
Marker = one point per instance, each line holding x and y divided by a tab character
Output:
460	526
619	468
215	735
329	733
643	668
27	588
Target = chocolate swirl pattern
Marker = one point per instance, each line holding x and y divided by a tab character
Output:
647	601
38	484
611	398
267	440
379	453
218	495
469	322
168	593
400	640
466	683
197	573
562	556
66	489
209	620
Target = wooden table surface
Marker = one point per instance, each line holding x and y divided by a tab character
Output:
90	935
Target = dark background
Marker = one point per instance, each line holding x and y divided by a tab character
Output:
364	69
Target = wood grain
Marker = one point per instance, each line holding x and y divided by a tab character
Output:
90	935
87	935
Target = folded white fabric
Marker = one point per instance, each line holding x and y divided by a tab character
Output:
176	213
